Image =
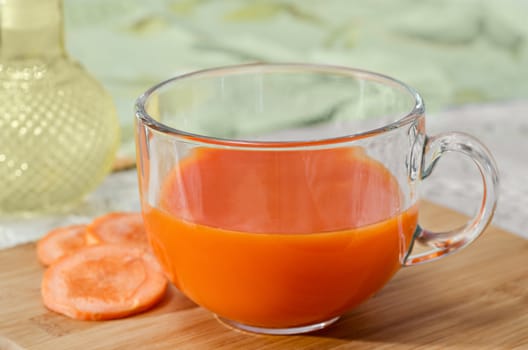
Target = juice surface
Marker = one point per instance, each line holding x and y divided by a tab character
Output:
280	239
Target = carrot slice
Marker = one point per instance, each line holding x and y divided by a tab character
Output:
118	228
103	282
61	241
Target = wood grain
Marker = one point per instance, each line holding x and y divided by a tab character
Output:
477	299
123	163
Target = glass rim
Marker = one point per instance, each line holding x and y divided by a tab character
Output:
416	111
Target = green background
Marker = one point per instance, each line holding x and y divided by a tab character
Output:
452	51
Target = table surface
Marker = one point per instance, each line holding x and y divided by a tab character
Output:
476	299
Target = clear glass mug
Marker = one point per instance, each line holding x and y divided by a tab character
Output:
279	196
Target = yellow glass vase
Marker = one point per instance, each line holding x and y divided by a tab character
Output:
59	131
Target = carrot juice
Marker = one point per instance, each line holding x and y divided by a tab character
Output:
280	238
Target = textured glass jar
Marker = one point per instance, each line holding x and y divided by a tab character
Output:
59	131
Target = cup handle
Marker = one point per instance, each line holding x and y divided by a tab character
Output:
445	243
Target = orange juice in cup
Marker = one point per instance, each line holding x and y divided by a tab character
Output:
272	248
277	221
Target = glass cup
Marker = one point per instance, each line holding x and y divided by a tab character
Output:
279	196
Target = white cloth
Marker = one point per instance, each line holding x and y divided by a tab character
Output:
455	183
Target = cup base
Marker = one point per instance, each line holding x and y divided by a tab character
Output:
278	331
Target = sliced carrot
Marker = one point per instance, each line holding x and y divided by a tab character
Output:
61	241
118	228
103	282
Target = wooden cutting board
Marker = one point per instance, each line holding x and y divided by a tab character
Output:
475	299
